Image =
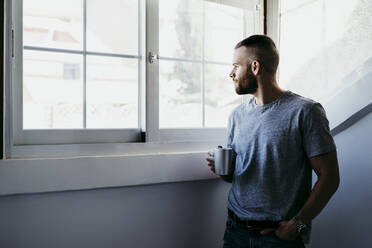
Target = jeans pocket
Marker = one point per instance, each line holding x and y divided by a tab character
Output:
272	237
229	223
289	243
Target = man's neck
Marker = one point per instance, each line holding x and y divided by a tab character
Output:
268	91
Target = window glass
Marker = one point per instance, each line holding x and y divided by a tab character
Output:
180	94
196	44
220	96
53	24
181	28
112	92
224	27
52	90
112	26
64	86
325	46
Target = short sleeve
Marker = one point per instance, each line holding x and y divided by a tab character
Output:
317	138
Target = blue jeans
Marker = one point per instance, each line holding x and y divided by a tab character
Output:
241	237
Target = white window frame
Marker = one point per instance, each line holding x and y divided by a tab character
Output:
65	136
273	20
86	142
154	132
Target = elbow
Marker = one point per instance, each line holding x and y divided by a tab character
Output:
336	179
333	182
337	182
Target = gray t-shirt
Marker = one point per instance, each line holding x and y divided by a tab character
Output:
272	144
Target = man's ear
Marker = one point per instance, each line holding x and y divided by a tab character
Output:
255	67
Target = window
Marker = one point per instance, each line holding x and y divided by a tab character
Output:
81	71
78	81
190	90
326	51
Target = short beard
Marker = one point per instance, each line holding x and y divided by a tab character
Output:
247	85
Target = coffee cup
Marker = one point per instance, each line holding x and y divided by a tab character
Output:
223	161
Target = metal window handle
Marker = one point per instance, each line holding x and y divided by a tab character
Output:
153	57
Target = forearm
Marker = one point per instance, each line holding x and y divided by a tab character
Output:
322	192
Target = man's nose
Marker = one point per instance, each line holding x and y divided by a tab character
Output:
232	74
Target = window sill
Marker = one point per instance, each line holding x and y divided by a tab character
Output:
37	175
107	149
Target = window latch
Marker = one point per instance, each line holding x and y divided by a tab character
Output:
12	42
153	57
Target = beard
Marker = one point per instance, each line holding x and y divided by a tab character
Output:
247	84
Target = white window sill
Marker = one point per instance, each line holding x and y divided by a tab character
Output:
157	164
107	149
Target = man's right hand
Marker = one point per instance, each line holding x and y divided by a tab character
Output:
210	160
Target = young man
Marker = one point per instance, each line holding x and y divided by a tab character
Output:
277	138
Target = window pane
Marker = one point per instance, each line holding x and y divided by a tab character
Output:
301	26
180	28
180	94
112	92
112	26
224	28
325	46
54	24
220	96
52	90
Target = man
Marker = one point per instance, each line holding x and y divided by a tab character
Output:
277	139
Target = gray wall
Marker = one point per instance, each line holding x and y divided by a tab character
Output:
346	221
190	214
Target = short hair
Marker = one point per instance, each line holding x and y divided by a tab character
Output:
264	50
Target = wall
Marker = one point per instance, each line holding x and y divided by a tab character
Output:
188	214
346	220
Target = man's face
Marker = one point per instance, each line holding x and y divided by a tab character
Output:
244	80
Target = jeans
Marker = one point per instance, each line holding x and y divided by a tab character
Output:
241	237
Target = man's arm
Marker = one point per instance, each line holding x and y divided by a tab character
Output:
326	168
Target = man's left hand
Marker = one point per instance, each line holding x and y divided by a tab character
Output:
287	230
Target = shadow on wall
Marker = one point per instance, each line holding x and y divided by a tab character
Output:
354	102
